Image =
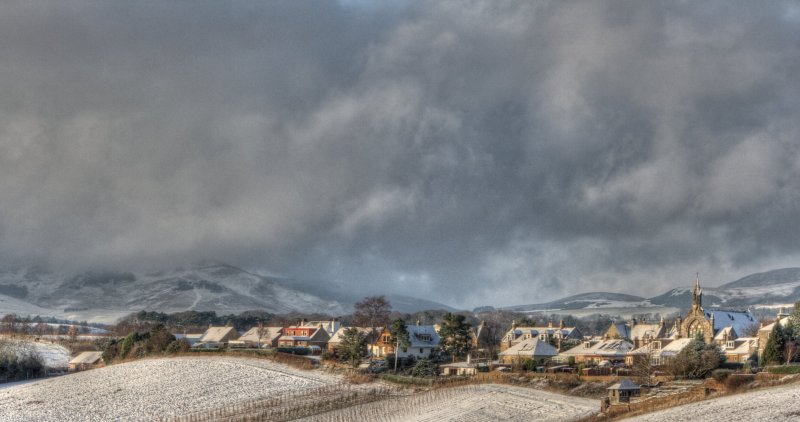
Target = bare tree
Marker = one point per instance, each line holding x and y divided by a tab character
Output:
372	311
751	330
790	351
642	368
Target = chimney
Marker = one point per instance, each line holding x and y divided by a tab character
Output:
549	323
417	323
468	359
513	324
561	324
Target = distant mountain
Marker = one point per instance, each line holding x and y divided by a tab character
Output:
762	290
770	288
349	296
104	296
594	300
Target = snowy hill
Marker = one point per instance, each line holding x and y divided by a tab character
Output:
767	289
104	296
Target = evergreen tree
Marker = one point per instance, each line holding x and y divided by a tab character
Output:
400	337
455	335
352	346
794	322
697	359
773	350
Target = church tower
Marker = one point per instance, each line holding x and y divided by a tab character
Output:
697	295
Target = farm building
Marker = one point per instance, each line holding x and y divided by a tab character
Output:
86	360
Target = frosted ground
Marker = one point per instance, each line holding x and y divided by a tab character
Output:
53	355
153	388
770	404
489	402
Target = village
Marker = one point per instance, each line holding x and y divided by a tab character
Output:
631	367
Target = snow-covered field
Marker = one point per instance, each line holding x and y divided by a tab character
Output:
53	355
154	388
490	402
771	404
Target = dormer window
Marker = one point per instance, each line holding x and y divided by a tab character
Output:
656	345
424	337
729	344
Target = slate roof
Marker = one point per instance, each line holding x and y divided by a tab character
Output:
739	320
423	336
624	385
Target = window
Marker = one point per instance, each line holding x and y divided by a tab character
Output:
729	344
421	351
656	345
424	337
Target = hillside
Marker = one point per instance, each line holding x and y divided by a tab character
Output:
104	296
151	389
768	404
767	289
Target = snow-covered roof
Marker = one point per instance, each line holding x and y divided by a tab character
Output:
728	332
530	347
674	347
739	320
87	358
366	331
269	334
219	334
609	348
742	346
783	321
423	336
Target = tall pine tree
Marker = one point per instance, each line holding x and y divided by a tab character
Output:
773	350
794	322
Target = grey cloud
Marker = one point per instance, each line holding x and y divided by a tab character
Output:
471	153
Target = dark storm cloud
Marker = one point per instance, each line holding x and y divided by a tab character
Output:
472	152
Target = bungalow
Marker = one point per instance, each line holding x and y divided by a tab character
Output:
371	335
86	360
304	335
533	348
268	336
216	337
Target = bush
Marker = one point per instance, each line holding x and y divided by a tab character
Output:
737	381
425	368
720	375
784	370
177	346
300	351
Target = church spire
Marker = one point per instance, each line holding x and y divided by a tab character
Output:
697	295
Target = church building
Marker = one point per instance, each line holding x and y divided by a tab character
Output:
715	325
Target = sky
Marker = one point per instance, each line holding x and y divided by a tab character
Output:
471	152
